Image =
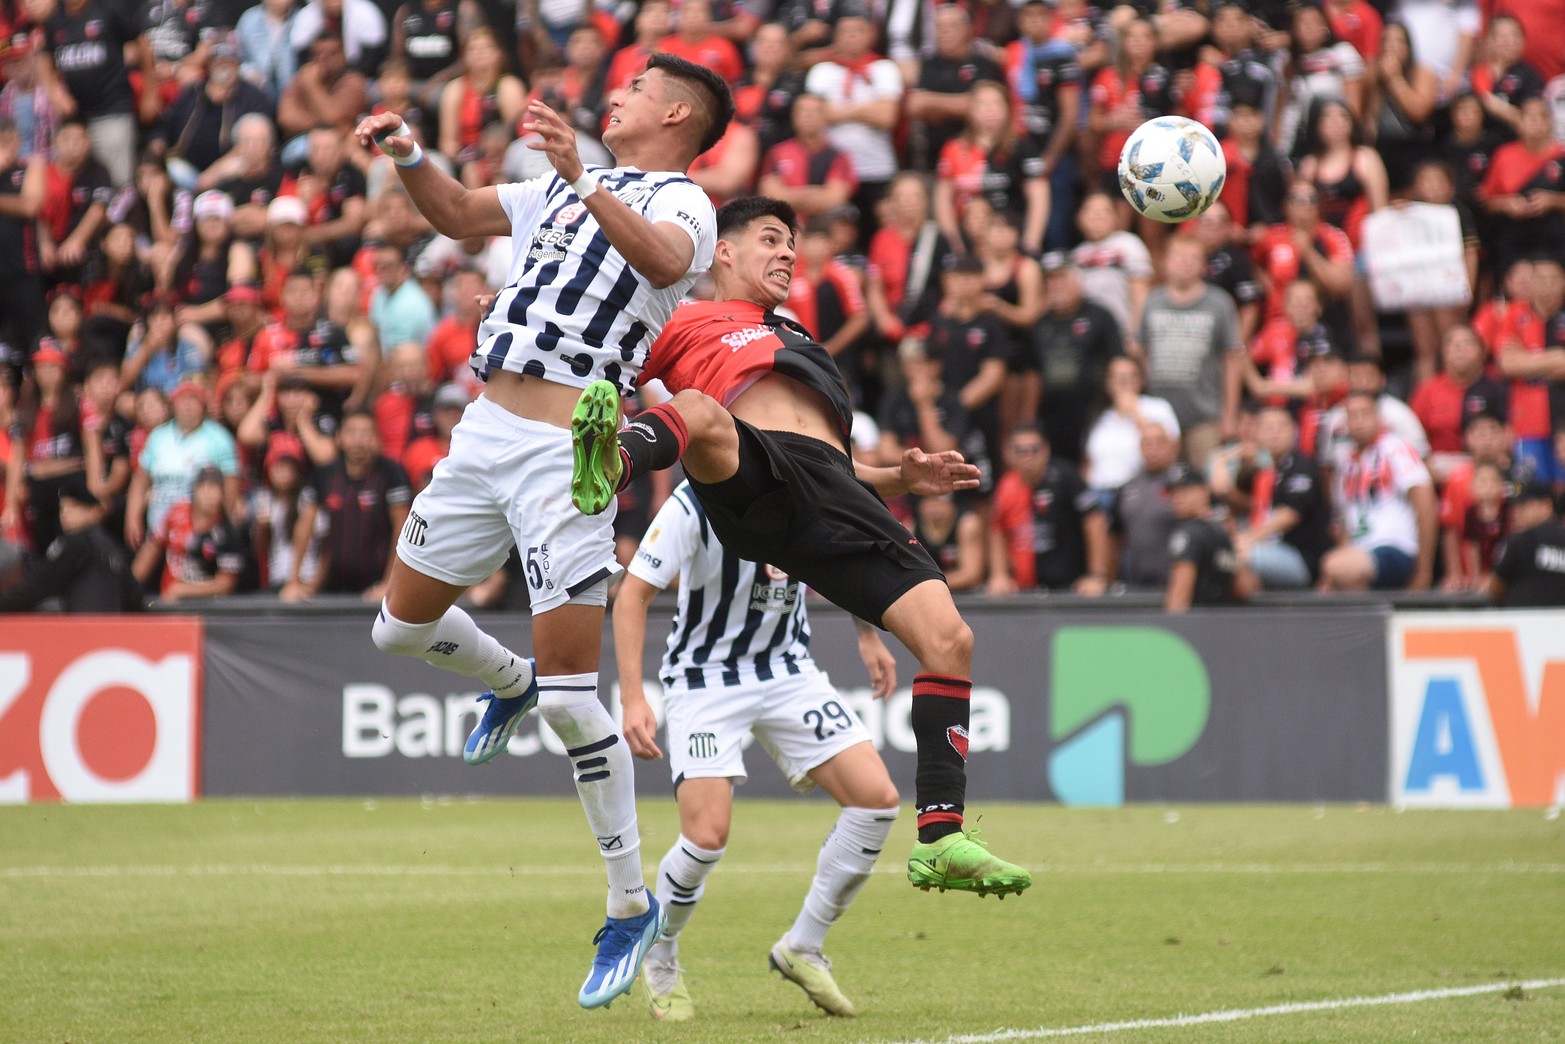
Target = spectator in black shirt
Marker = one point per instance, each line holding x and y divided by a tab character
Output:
927	413
974	346
1290	514
84	569
197	548
953	534
938	104
1531	568
365	496
198	128
85	43
1502	81
1047	529
1228	267
21	196
1203	569
1049	83
1071	348
249	175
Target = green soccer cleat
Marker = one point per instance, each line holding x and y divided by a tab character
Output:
668	999
595	464
962	863
812	973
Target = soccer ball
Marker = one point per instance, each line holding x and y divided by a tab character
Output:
1171	169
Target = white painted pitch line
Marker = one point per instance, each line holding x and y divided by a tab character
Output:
1242	1014
501	870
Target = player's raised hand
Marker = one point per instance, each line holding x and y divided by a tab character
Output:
377	131
935	474
557	139
641	729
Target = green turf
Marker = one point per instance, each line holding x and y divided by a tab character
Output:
422	921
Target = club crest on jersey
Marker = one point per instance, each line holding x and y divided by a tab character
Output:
569	214
956	735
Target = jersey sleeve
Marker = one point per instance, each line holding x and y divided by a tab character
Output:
684	203
671	541
523	201
399	488
1182	545
1407	470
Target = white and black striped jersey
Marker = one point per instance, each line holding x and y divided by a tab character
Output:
572	310
737	622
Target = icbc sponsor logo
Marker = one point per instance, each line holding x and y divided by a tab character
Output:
99	709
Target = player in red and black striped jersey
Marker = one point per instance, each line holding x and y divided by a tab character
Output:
761	419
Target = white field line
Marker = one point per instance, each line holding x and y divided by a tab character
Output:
1242	1014
500	870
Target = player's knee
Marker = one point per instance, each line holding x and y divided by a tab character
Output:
703	415
394	636
879	794
949	649
711	836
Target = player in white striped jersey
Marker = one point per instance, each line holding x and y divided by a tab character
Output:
599	259
738	662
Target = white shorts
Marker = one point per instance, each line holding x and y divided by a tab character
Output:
799	716
507	480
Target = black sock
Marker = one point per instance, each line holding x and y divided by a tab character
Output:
652	440
941	705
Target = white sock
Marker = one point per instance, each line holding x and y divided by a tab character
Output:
681	882
605	781
455	643
844	866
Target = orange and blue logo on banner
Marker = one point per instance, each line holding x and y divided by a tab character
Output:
1478	709
100	709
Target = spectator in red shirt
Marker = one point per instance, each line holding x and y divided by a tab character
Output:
1280	352
1535	363
404	411
1485	525
988	159
836	295
1444	401
653	22
806	171
1135	89
422	454
1048	529
1488	441
1503	80
75	205
1524	191
1508	316
308	345
694	40
1356	22
1304	246
197	546
455	337
727	169
904	260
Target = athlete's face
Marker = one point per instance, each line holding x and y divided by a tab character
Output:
638	109
761	258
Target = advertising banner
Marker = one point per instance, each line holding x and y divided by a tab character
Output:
1083	708
99	709
1478	709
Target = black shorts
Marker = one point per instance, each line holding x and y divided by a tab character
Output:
795	504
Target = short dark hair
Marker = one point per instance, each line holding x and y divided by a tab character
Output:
739	213
720	100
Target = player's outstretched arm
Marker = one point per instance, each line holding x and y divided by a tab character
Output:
660	251
630	638
455	211
925	474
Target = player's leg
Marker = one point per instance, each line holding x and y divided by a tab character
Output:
690	426
926	620
705	812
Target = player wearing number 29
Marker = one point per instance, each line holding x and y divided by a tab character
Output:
600	257
737	661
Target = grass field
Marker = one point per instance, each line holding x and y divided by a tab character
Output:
472	920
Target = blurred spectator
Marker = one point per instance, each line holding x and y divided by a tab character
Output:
1336	444
404	412
1469	151
1348	175
1387	502
332	190
905	256
65	327
1432	184
249	175
174	453
1258	174
288	406
953	534
1143	518
1444	34
1320	67
428	35
325	92
1072	346
455	337
75	205
1543	25
1116	269
1532	355
1014	281
1488	441
106	440
864	95
1195	358
277	508
25	99
1288	509
358	25
398	307
1113	445
266	53
988	159
831	294
1305	247
1444	401
806	171
729	167
46	449
1357	23
197	129
1277	368
484	94
695	41
195	550
365	498
1502	80
1403	96
1135	89
927	413
1231	68
1228	266
84	570
210	260
306	344
1048	530
1531	568
939	105
176	40
21	196
84	58
1203	569
117	287
654	20
244	320
973	345
163	355
1524	190
1047	76
1485	526
422	454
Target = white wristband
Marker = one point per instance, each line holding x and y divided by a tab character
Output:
402	130
584	186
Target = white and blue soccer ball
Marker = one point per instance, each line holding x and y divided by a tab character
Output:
1171	169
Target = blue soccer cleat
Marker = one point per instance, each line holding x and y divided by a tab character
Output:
498	725
623	943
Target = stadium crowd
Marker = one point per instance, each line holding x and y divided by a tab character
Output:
232	350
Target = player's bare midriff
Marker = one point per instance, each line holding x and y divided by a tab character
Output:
780	403
532	397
